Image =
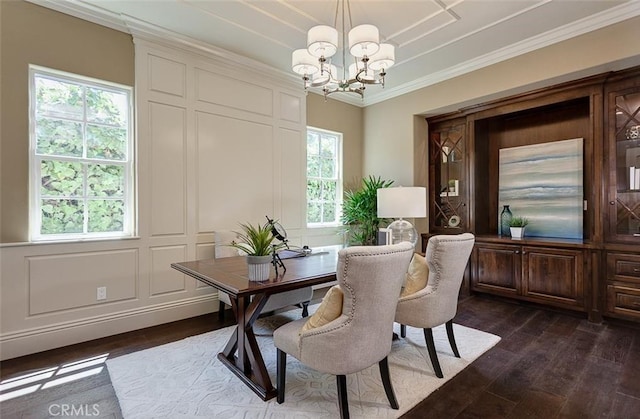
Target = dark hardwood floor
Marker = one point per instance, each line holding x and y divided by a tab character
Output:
549	364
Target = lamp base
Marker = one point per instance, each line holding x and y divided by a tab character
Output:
403	231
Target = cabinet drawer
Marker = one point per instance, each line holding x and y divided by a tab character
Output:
623	267
624	301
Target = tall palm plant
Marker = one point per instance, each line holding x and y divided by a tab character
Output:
360	211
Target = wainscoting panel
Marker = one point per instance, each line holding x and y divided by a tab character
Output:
291	108
167	145
69	281
204	251
233	93
293	178
235	171
167	76
165	279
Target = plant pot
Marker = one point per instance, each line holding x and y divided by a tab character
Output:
517	232
259	267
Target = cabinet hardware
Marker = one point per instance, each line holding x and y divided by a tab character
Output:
636	270
612	203
517	252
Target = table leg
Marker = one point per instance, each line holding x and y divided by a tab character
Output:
248	364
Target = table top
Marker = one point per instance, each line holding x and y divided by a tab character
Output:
231	274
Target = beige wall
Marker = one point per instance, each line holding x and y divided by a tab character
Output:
32	34
390	127
347	119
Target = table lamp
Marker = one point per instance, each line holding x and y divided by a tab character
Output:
402	202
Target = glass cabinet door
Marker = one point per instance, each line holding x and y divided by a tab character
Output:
624	158
448	209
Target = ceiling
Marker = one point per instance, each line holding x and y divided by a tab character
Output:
435	39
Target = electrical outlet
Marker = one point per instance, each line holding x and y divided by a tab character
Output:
102	293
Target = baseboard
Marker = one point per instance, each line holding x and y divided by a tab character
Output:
26	342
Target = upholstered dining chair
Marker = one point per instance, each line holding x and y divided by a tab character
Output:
358	335
435	301
300	296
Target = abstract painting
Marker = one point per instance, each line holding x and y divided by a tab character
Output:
544	182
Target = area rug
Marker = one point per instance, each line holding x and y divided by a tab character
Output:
185	379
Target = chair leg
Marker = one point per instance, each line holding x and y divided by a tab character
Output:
386	382
403	330
221	306
452	339
281	372
305	309
431	347
343	402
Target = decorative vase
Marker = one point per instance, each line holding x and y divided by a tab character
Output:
516	232
259	267
505	220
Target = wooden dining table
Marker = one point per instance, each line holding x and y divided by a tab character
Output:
242	354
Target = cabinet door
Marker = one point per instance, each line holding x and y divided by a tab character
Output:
448	210
623	286
496	269
554	275
623	132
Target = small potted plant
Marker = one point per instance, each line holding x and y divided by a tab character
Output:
517	225
258	243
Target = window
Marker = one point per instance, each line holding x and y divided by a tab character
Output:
81	157
324	177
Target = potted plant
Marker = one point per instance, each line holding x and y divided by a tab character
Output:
360	211
517	225
257	243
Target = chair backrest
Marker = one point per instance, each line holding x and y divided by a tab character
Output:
371	278
447	257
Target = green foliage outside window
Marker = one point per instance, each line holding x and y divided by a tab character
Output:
322	177
81	149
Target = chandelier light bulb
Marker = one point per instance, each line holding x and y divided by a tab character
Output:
322	41
384	58
304	63
364	40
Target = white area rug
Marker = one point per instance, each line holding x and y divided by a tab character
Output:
185	379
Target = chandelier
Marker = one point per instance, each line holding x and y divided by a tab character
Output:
370	58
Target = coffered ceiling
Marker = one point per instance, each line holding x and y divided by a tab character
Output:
434	39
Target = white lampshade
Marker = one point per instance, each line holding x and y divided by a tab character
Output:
364	40
384	58
402	202
355	68
304	63
408	202
322	41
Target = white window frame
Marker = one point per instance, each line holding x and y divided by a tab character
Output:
338	178
129	196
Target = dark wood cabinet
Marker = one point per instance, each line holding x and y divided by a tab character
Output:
448	186
622	231
596	273
543	274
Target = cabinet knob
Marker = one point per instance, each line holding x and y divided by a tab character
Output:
517	252
612	203
524	253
